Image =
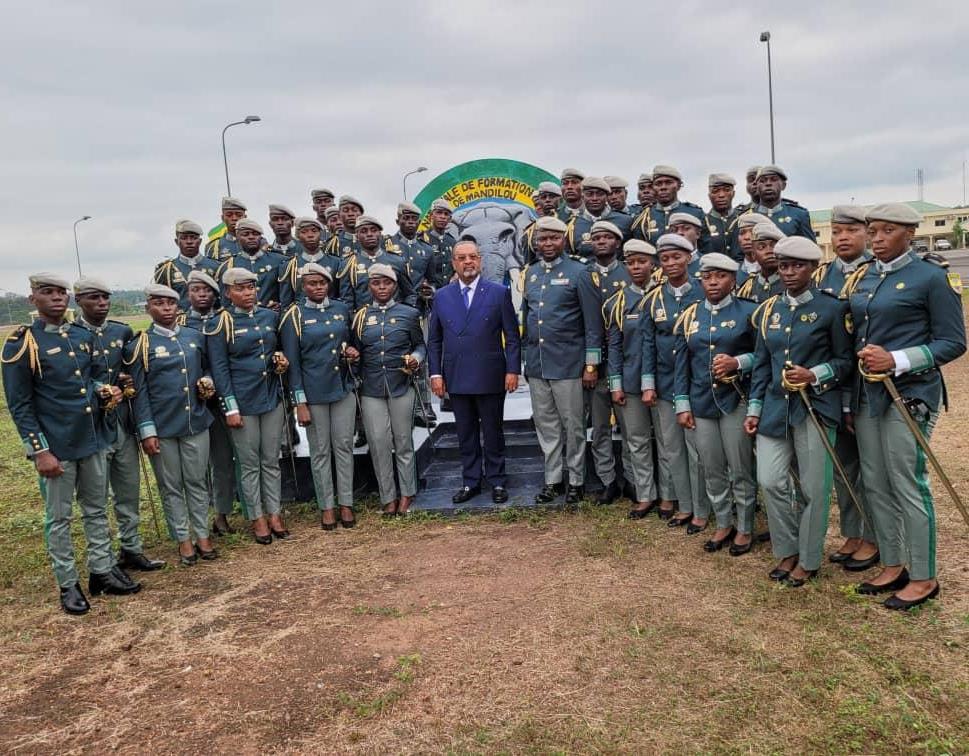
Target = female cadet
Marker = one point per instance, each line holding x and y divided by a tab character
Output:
388	336
623	317
314	334
247	372
803	356
663	305
166	363
907	323
714	355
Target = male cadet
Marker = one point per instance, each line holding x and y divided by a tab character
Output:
548	197
173	272
595	193
203	295
438	237
751	178
645	197
667	183
323	200
109	338
223	247
54	390
308	232
267	265
333	225
571	180
618	195
343	242
786	214
767	282
608	276
722	217
353	279
562	334
281	222
422	265
849	239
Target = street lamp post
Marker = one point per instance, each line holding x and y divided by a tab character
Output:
225	160
411	173
765	37
77	250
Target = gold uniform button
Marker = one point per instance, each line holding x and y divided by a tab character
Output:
184	371
77	372
185	389
83	390
787	330
70	354
88	410
541	341
263	372
262	356
187	408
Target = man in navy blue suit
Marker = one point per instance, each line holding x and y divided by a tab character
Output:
467	358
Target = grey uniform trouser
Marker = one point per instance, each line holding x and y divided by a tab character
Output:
673	451
797	528
87	478
125	480
389	424
257	444
330	436
180	469
599	402
637	436
728	466
664	479
558	410
900	503
222	466
853	525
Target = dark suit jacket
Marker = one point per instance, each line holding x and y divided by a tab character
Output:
465	346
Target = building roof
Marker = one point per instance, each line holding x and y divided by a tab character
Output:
824	216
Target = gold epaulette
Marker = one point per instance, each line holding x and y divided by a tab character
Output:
570	232
521	277
596	278
294	314
613	309
759	316
139	349
163	272
687	317
852	281
222	322
181	319
818	275
29	347
652	297
358	318
746	287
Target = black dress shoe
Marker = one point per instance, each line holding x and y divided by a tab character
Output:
678	522
778	574
499	494
429	423
638	514
762	537
712	545
206	556
665	514
73	600
221	530
263	540
549	493
736	550
466	493
279	535
188	561
792	582
138	561
608	494
870	589
327	525
111	583
348	523
860	565
901	605
839	557
693	529
629	490
574	494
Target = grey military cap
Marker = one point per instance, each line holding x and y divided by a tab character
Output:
276	209
604	225
749	220
322	192
721	179
237	276
441	204
718	261
231	203
346	199
200	276
248	223
91	285
638	247
158	290
550	187
594	182
666	170
615	182
571	173
188	227
382	269
684	218
673	241
368	220
767	170
551	223
38	280
305	220
407	207
313	268
797	248
767	231
848	214
894	212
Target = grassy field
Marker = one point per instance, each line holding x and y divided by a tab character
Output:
514	633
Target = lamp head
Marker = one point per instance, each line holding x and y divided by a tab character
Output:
765	36
254	118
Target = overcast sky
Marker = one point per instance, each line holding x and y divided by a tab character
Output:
114	109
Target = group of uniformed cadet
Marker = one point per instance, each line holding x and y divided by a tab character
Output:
731	358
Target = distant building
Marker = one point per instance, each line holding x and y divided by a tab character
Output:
937	224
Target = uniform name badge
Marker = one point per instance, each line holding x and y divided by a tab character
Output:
660	316
559	282
372	320
775	322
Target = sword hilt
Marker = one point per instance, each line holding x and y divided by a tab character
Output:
871	377
793	386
